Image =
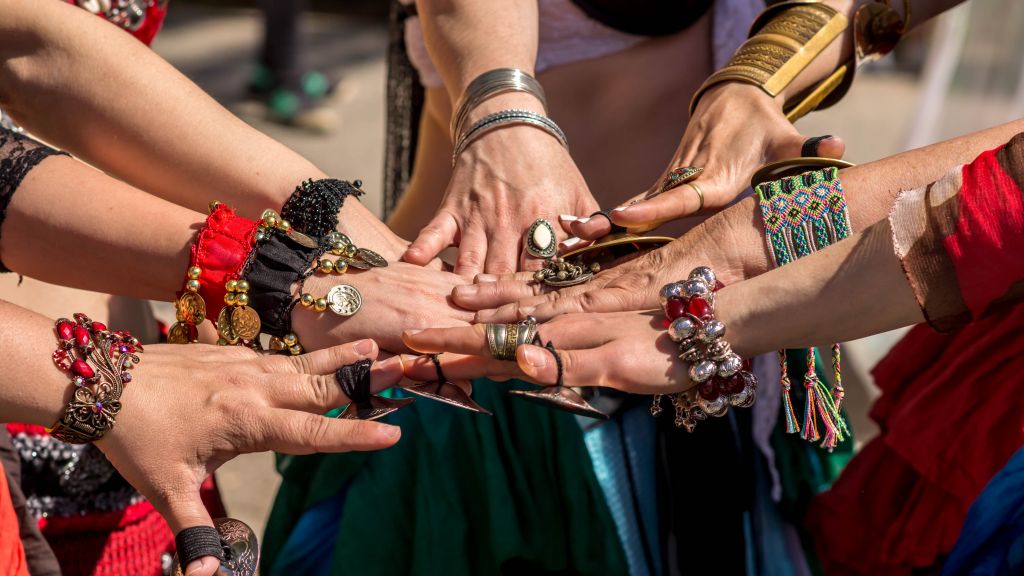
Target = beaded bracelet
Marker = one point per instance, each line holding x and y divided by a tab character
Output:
723	379
314	205
803	214
99	363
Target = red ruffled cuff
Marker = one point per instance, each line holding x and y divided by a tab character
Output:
220	252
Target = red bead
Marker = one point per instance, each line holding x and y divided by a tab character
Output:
64	330
698	307
82	336
733	385
675	308
99	326
709	390
81	368
61	359
718	285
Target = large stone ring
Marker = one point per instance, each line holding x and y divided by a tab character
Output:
680	176
540	239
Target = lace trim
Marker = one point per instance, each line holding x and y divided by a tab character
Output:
19	154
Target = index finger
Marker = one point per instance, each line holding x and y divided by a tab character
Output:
321	393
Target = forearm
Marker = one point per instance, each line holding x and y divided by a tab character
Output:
734	238
32	391
70	224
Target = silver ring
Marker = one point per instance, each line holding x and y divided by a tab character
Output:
496	340
527	331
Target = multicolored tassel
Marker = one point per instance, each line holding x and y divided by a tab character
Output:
838	392
810	432
792	426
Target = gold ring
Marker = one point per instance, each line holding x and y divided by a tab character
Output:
700	194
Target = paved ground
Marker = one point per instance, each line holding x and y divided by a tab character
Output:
215	47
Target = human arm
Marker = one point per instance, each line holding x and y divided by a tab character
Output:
737	127
732	241
87	87
512	175
237	402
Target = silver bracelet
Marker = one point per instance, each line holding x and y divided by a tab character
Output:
492	83
504	118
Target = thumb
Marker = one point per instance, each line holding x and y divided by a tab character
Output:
186	510
205	566
435	237
794	145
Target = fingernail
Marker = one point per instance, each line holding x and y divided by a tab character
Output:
583	220
391	432
536	359
411	332
465	290
570	242
363	347
620	209
567	218
486	278
197	566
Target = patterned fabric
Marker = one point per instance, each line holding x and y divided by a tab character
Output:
12	555
952	238
803	214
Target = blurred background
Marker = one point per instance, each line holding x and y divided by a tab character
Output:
956	75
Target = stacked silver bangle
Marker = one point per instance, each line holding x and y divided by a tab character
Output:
721	376
492	83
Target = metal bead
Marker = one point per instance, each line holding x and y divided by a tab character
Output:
307	300
290	339
730	365
231	285
270	221
745	399
284	226
326	266
192	285
719	350
229	298
706	274
702	370
350	250
713	330
340	267
242	286
268	213
194	272
681	328
222	342
295	350
692	288
562	275
338	248
669	291
213	205
357	183
595	267
717	407
242	299
320	305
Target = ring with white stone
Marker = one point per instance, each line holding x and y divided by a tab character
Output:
540	239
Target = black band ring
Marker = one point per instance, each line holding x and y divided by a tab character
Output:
810	147
436	359
196	542
354	380
550	346
616	229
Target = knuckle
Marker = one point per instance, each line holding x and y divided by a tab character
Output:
323	388
316	432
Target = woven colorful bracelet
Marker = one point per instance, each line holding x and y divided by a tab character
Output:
803	214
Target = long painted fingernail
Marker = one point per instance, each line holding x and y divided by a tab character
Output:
567	218
486	278
466	291
570	242
620	209
536	359
363	347
197	566
583	220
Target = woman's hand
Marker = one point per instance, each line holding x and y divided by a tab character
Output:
190	409
735	129
501	183
630	351
397	297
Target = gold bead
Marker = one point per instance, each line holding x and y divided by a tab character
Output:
320	305
341	266
231	285
284	226
222	342
295	350
338	248
326	266
270	222
290	339
194	272
350	250
276	344
229	298
192	285
268	213
242	286
307	300
213	205
242	299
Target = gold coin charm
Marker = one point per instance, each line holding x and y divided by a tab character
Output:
191	308
371	258
224	328
182	333
344	300
245	323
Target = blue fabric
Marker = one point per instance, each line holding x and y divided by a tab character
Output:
991	541
310	547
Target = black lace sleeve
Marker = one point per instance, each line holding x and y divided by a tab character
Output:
19	154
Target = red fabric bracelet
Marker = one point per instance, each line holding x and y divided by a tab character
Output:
220	251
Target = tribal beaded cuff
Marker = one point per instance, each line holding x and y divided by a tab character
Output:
99	363
314	205
723	379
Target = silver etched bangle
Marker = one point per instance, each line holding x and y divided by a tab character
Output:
504	118
489	84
